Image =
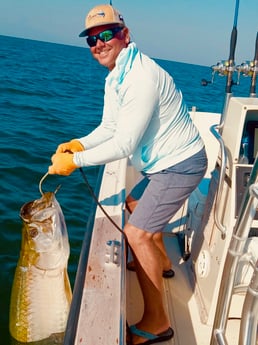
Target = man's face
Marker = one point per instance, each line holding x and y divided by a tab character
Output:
106	52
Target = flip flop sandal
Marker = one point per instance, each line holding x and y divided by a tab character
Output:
152	338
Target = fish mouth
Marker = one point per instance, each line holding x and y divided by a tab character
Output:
44	231
31	208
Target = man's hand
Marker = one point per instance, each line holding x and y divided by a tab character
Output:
62	164
71	146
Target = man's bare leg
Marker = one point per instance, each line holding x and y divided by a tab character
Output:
148	268
157	238
159	242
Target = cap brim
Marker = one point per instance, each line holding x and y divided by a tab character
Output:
84	33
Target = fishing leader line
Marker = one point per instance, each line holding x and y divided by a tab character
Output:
105	212
41	181
94	198
100	206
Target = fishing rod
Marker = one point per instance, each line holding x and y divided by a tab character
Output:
250	69
227	68
229	65
254	69
231	59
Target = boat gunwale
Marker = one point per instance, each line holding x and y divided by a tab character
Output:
72	322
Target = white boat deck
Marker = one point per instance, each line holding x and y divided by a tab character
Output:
180	301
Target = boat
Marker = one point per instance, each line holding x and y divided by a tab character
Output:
212	240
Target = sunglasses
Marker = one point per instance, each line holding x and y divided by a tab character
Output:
104	36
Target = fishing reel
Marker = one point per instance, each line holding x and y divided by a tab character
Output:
250	69
247	68
223	68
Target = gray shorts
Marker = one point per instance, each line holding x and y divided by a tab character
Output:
160	195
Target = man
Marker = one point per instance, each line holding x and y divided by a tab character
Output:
145	119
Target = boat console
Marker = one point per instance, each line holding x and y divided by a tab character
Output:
238	137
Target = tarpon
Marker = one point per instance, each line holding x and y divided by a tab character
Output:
41	292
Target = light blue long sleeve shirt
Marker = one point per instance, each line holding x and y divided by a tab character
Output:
144	118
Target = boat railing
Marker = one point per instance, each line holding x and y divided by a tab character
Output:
215	131
248	329
235	251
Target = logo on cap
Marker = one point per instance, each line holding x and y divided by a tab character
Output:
101	14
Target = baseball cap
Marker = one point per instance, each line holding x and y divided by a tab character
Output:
101	15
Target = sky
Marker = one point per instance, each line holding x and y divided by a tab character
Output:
191	31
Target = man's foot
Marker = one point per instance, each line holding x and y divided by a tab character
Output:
149	337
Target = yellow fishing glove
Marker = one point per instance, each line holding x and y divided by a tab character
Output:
72	146
62	164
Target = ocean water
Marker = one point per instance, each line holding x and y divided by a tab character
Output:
51	93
